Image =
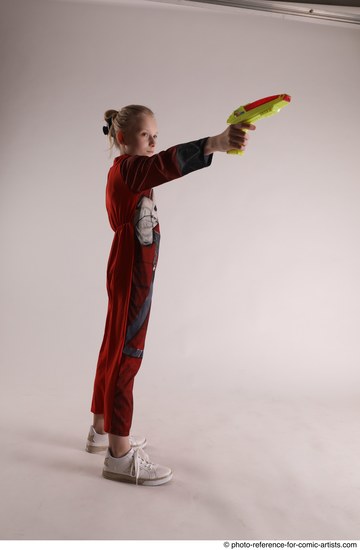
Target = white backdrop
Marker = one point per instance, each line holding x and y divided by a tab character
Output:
256	293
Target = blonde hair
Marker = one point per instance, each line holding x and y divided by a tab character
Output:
122	121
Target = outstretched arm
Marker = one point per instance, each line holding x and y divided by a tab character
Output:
142	172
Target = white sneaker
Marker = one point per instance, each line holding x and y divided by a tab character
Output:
96	443
135	467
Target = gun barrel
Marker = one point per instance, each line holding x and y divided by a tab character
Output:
259	109
259	102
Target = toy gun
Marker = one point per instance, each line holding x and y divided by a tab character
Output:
254	111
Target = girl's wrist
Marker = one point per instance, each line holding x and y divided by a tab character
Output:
210	145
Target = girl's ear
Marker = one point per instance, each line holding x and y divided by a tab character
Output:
120	137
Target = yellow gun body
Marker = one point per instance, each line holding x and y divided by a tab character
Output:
255	111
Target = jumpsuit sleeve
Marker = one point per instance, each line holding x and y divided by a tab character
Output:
142	172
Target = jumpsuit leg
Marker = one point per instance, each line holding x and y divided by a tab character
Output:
122	415
97	403
145	262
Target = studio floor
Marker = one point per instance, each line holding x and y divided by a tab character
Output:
245	467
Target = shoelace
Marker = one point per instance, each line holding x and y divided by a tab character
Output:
139	456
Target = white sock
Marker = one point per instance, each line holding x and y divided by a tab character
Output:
119	457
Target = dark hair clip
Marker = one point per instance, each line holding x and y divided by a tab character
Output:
106	130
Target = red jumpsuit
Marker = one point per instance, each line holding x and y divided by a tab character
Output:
130	276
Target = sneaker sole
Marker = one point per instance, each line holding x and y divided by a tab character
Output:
130	479
95	448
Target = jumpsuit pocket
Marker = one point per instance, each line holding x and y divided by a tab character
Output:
156	235
145	219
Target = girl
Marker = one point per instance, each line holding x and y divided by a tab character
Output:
132	213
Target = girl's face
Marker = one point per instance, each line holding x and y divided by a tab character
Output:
141	139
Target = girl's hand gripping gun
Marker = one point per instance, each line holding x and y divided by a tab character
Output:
258	109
